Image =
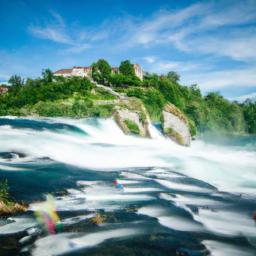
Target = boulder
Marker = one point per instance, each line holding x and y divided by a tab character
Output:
131	117
175	125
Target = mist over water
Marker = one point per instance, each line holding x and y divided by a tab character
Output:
207	190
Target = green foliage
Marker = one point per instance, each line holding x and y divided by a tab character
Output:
47	75
38	90
172	92
126	68
16	83
152	99
78	108
101	94
249	109
173	76
120	80
174	135
133	127
101	71
151	80
4	192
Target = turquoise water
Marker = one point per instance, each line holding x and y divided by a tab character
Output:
198	200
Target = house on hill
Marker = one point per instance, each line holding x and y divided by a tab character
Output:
75	71
87	71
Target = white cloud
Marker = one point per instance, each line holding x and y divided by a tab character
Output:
238	46
217	80
150	59
51	33
230	13
57	31
163	66
161	25
78	48
244	97
186	29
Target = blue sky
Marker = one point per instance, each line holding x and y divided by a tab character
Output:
212	43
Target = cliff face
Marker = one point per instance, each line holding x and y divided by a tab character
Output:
175	125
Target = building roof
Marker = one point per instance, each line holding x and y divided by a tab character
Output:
63	71
82	67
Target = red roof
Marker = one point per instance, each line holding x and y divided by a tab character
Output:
64	71
69	70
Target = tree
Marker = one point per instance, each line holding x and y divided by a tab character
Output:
151	80
101	71
126	68
173	76
47	75
195	90
16	81
249	109
4	191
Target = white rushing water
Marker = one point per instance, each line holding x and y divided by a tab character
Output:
105	148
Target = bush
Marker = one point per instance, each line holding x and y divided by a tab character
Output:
133	127
120	80
153	100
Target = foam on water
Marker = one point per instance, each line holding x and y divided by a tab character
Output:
171	220
225	249
190	200
130	175
68	242
125	182
94	195
224	167
227	223
140	190
180	224
182	186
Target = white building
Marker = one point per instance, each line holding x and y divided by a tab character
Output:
75	71
87	71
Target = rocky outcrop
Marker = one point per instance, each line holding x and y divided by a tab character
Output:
10	208
131	117
175	125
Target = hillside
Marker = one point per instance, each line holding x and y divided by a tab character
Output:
105	94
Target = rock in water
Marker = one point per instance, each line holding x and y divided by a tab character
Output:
131	117
175	125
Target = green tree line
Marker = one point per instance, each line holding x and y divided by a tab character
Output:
211	112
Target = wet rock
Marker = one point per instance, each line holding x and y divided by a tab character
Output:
98	219
131	117
26	240
175	125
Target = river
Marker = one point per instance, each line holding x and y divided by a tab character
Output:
198	199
